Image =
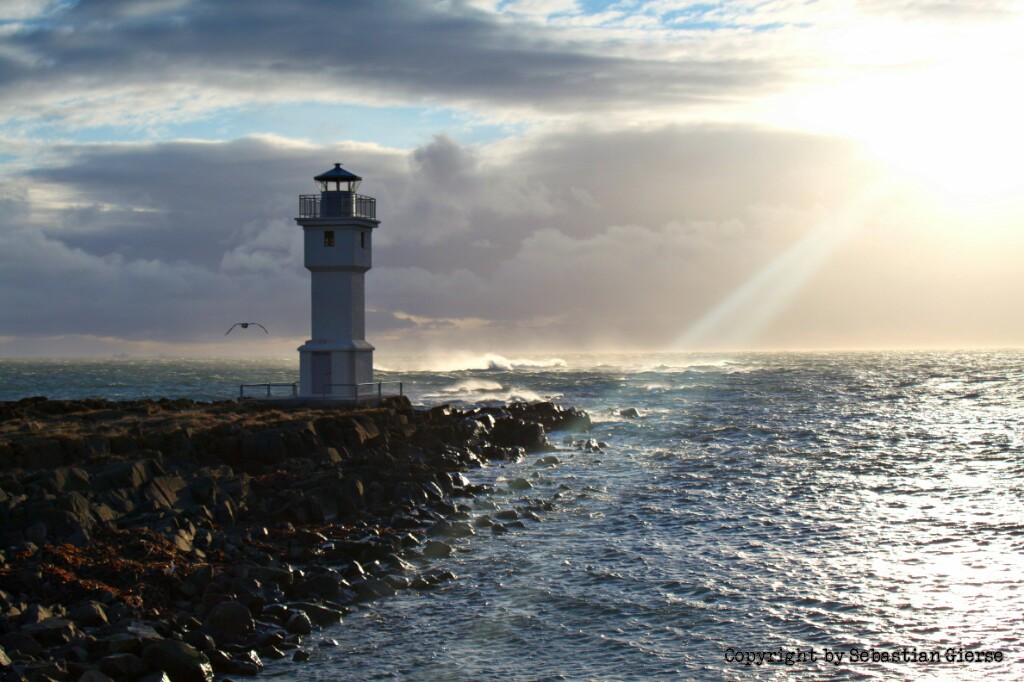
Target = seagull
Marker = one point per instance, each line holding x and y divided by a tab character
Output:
245	325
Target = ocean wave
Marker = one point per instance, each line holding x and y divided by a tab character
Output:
485	362
513	394
473	386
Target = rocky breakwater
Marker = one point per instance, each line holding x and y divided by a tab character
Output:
174	540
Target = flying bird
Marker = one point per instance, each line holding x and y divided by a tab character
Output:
245	325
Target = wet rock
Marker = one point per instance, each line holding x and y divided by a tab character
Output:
519	484
5	660
181	662
200	640
319	614
300	656
299	623
514	432
453	529
231	618
630	412
247	663
547	461
436	549
93	675
431	578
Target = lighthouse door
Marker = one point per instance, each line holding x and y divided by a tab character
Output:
321	373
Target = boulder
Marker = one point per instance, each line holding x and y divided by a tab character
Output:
298	623
19	643
247	663
122	666
52	631
88	614
181	662
436	549
231	618
630	412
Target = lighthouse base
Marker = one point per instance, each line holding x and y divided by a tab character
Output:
335	370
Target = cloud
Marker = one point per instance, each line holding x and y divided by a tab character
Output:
116	63
561	240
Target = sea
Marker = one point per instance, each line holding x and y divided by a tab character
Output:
825	516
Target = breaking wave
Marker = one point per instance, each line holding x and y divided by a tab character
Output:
487	362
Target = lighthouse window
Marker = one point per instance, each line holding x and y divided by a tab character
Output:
362	240
329	238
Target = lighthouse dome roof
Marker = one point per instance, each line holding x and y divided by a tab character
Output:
337	174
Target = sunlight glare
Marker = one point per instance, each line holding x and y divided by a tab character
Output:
952	124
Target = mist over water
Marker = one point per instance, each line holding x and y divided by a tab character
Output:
760	501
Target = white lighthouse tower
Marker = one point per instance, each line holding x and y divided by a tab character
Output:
338	228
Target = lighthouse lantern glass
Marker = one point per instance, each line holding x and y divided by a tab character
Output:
336	185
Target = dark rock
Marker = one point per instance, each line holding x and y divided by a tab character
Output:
319	614
277	612
163	491
431	578
35	613
299	623
247	663
181	662
436	549
94	675
514	432
122	666
200	640
158	676
231	618
52	631
519	484
300	656
630	412
88	614
453	529
271	652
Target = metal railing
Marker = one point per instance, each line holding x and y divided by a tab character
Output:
338	205
293	386
351	392
357	392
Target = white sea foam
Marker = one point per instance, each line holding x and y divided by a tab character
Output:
473	386
486	395
460	362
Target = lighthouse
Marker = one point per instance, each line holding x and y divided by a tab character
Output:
337	227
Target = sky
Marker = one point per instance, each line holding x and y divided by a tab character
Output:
550	175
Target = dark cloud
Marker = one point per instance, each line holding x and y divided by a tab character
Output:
439	53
